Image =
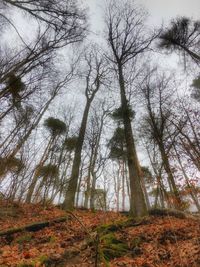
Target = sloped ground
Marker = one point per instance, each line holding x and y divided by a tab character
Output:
97	239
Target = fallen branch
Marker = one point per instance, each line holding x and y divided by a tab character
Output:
33	227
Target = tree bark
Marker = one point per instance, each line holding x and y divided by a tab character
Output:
137	204
71	191
170	176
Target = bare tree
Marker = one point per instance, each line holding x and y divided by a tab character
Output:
157	94
94	135
95	75
126	37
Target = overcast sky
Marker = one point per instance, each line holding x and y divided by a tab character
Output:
159	10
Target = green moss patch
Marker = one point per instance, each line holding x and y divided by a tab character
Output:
110	247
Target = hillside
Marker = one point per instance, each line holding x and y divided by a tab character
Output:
85	238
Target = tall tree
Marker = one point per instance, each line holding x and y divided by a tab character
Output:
95	75
94	135
127	40
157	95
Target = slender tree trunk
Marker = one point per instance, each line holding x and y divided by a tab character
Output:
137	205
71	191
92	204
190	186
118	187
79	184
35	176
145	193
156	197
123	185
34	125
127	181
191	53
170	176
92	172
88	187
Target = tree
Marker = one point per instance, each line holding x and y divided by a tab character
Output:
196	88
58	24
64	19
95	75
96	162
182	36
118	152
127	40
56	128
48	173
157	97
11	164
29	76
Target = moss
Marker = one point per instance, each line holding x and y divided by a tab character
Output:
107	228
111	247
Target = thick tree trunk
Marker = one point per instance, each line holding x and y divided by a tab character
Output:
71	191
137	204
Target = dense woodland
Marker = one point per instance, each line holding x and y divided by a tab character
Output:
97	123
75	113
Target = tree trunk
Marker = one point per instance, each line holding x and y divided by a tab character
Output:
92	206
123	184
33	126
170	176
145	193
71	191
190	186
191	53
35	176
137	204
88	187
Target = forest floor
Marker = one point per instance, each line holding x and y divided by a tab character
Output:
84	238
